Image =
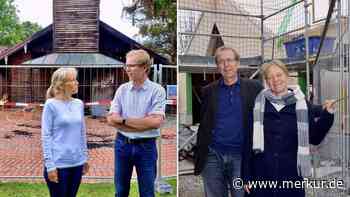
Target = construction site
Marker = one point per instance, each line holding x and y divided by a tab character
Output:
310	36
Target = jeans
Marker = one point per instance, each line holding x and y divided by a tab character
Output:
68	182
219	173
141	155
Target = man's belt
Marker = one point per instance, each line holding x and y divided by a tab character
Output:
135	141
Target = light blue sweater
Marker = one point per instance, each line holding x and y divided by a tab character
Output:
63	134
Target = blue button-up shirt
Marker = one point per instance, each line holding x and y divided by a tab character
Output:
228	129
137	102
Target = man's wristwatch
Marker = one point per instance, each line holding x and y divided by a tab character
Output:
123	121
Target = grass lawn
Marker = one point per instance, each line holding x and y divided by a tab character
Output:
15	189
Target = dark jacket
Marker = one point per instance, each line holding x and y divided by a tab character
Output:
278	162
248	91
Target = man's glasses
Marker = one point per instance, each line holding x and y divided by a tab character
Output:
227	61
132	65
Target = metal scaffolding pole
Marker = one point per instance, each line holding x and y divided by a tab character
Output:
347	54
262	30
342	94
306	27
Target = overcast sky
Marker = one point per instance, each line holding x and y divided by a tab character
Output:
41	12
110	13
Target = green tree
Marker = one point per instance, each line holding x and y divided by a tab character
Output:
8	23
29	28
157	22
11	30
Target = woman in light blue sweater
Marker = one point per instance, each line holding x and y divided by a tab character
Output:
64	135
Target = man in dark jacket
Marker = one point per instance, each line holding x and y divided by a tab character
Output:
225	126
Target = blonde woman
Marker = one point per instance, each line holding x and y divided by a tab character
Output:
64	135
285	124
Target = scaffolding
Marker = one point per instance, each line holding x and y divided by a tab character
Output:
261	30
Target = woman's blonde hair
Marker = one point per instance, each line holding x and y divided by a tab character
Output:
59	77
266	67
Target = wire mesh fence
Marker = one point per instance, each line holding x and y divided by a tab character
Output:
22	95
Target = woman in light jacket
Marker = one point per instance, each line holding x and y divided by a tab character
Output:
64	135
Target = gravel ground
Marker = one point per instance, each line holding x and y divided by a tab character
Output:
189	185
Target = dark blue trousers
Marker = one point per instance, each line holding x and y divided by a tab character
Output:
68	182
219	173
141	155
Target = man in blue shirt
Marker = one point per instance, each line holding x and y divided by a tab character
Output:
226	108
137	112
